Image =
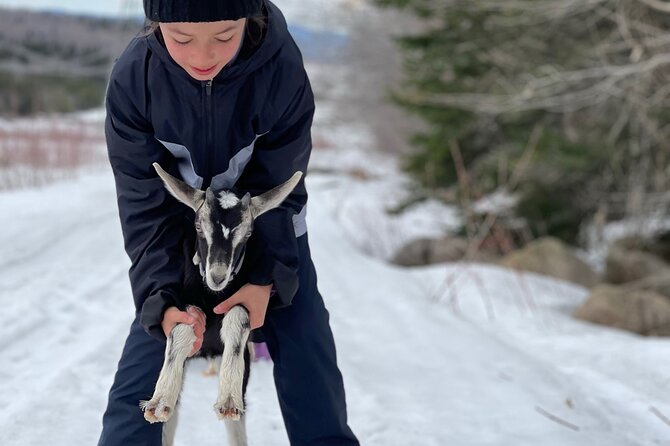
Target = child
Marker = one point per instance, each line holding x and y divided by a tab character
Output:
217	94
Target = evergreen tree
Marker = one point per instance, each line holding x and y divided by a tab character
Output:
563	103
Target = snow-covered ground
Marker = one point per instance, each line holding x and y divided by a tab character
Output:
451	354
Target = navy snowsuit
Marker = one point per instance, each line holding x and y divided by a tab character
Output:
248	130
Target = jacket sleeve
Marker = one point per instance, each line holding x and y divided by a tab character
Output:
151	219
277	155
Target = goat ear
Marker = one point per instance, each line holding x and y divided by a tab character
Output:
191	197
273	198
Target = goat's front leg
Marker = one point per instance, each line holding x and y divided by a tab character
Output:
234	335
162	404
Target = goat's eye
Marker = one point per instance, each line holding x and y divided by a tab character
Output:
240	229
198	227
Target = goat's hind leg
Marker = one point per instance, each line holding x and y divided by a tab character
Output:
234	364
162	404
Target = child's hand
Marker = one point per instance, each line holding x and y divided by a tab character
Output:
192	316
254	298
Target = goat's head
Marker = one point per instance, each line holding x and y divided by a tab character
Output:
223	223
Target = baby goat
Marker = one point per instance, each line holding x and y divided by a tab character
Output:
223	223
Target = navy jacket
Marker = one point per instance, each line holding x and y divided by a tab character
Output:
248	129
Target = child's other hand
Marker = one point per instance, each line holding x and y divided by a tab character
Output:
192	316
254	298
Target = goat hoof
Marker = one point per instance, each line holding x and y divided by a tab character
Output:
230	414
228	410
156	410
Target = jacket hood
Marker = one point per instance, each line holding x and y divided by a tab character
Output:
276	36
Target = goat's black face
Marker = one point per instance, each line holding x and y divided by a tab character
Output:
223	223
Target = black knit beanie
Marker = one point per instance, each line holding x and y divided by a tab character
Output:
200	10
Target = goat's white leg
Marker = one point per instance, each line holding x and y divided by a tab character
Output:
170	427
234	335
162	404
237	432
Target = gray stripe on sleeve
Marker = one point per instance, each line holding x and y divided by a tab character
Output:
238	162
184	164
300	222
227	179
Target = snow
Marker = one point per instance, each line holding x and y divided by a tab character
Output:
460	354
366	189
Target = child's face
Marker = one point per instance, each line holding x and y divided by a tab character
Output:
204	48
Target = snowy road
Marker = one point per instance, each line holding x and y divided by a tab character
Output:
415	370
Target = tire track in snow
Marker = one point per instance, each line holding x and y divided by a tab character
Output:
43	414
59	340
51	279
51	245
69	298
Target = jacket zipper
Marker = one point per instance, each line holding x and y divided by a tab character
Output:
209	130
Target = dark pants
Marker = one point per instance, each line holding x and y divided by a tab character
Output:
308	382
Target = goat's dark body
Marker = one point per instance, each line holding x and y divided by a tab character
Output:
196	293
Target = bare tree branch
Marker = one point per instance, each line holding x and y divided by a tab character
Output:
658	5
